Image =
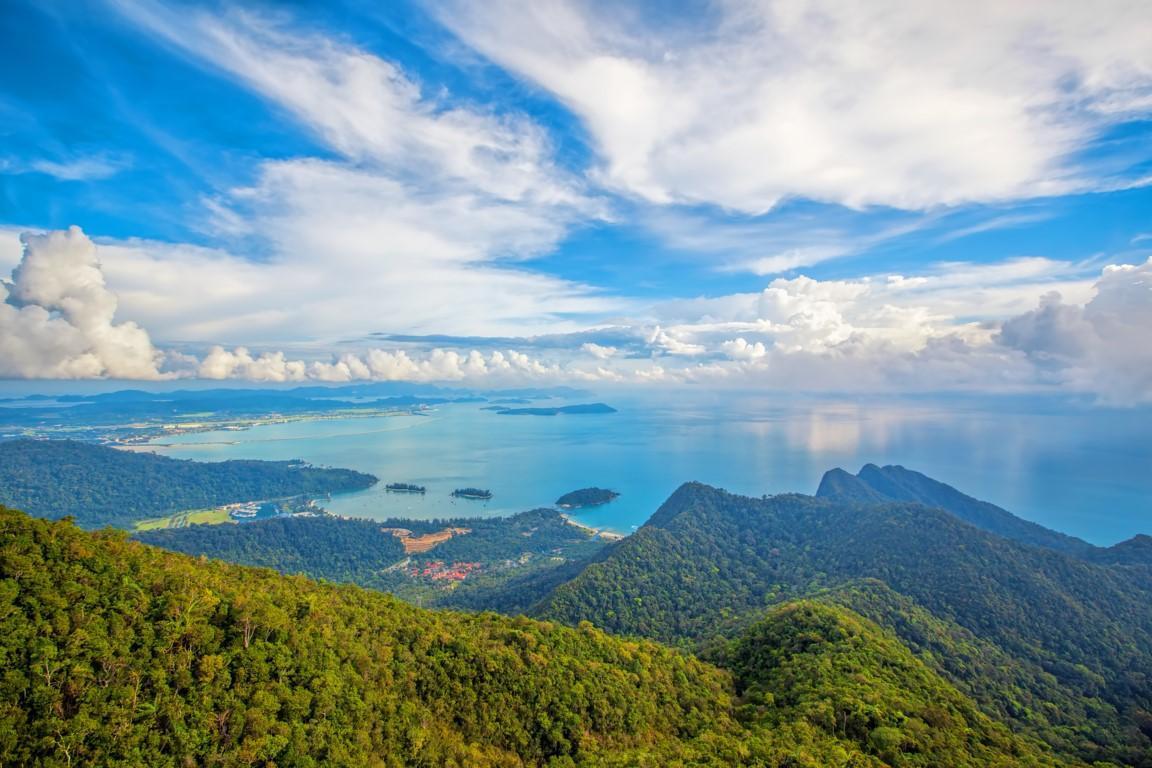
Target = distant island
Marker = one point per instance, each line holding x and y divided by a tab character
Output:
560	410
472	493
586	497
404	488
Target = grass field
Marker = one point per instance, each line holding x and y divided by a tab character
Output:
181	519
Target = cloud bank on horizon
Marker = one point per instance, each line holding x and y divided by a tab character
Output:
770	193
58	321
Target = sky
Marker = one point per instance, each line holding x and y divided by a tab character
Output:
777	194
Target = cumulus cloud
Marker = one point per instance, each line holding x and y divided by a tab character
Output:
869	334
880	103
599	351
740	349
239	363
57	317
435	365
1102	346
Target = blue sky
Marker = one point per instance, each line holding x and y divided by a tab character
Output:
756	191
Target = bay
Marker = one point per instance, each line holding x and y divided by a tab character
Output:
1071	466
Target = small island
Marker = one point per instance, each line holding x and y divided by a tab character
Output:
404	488
560	410
586	497
472	493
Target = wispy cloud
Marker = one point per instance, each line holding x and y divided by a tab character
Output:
89	168
993	224
367	108
417	222
862	104
782	240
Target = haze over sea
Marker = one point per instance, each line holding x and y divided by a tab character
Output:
1074	468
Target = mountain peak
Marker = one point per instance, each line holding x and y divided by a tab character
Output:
893	482
840	485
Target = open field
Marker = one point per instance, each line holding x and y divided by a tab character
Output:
182	519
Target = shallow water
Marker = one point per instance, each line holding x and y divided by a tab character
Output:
1082	470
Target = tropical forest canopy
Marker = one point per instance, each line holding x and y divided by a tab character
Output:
117	653
99	486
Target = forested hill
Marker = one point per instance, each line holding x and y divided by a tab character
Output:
116	653
331	548
895	483
528	545
99	486
708	562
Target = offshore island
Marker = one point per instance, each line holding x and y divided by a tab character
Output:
559	410
405	488
472	493
586	497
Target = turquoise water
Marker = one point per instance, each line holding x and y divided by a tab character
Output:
1071	467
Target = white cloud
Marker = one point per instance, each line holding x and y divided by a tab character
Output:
740	349
662	341
220	363
870	334
368	109
598	351
888	333
80	169
1102	346
883	103
57	317
422	223
436	365
805	315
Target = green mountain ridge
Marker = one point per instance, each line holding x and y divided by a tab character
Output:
1045	633
709	561
119	654
875	484
817	664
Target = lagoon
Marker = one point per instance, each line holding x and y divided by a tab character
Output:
1071	466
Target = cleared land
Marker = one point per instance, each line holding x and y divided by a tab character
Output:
427	541
183	519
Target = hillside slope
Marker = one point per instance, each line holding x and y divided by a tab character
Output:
118	654
869	689
875	484
709	561
487	554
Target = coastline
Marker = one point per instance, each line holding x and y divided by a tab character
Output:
601	532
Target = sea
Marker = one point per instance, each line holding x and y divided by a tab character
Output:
1070	465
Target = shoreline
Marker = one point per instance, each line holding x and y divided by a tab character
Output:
601	532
